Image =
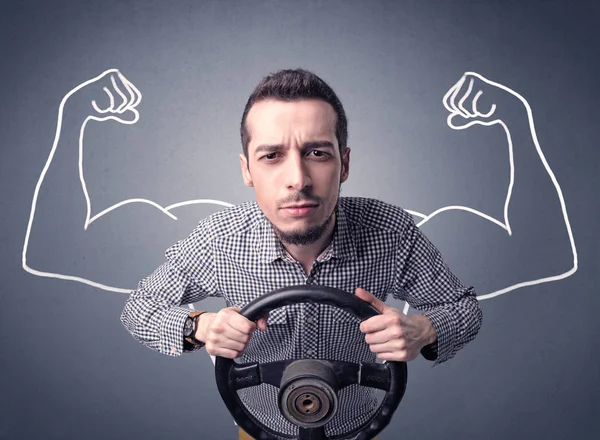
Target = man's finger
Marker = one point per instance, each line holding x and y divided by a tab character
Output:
262	322
374	324
236	335
223	352
378	337
371	299
241	324
229	344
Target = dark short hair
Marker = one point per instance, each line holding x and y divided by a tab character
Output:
295	85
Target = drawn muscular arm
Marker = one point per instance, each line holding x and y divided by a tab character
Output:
65	238
533	242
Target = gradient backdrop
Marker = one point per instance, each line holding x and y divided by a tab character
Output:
69	370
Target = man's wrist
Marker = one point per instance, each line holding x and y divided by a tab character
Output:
429	332
429	349
202	325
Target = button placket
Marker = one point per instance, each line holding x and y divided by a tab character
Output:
311	329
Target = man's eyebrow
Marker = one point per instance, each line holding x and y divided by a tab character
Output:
317	144
266	148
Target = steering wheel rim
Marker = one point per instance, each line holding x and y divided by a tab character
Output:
231	377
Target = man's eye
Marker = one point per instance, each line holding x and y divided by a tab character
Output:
318	153
270	156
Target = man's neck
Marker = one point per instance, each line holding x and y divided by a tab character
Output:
306	255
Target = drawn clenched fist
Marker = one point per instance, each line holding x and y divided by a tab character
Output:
464	101
112	97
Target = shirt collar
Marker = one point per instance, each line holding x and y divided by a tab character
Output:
269	247
342	246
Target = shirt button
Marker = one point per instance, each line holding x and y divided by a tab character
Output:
310	319
309	352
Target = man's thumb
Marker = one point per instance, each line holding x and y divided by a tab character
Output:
262	322
370	298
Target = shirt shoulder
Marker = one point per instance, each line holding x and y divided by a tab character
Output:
235	220
373	214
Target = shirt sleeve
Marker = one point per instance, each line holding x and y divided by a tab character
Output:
154	313
427	284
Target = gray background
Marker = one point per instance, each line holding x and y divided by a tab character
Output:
71	371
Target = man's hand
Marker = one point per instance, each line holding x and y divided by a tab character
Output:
392	335
227	332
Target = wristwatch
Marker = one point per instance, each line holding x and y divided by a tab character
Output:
190	326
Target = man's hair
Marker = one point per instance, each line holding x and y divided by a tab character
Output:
294	85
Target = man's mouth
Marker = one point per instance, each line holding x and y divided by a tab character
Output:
303	205
300	209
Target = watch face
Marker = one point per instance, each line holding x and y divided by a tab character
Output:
188	328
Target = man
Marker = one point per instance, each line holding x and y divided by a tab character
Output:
300	231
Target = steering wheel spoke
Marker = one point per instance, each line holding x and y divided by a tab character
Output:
312	433
244	375
374	375
272	372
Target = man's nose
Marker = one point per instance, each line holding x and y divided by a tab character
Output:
296	174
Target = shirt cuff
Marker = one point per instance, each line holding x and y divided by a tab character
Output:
443	348
171	332
430	351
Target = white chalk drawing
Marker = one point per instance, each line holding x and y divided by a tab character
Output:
456	104
477	118
128	104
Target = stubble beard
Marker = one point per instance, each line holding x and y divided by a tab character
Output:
304	237
313	233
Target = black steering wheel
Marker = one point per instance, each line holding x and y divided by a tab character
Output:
308	388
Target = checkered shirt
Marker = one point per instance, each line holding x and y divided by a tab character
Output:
234	254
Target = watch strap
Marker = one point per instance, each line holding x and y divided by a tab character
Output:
195	316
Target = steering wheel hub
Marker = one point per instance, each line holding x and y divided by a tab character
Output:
308	393
308	404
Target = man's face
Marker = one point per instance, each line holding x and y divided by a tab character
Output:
294	165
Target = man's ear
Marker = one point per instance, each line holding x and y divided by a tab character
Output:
245	171
345	165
